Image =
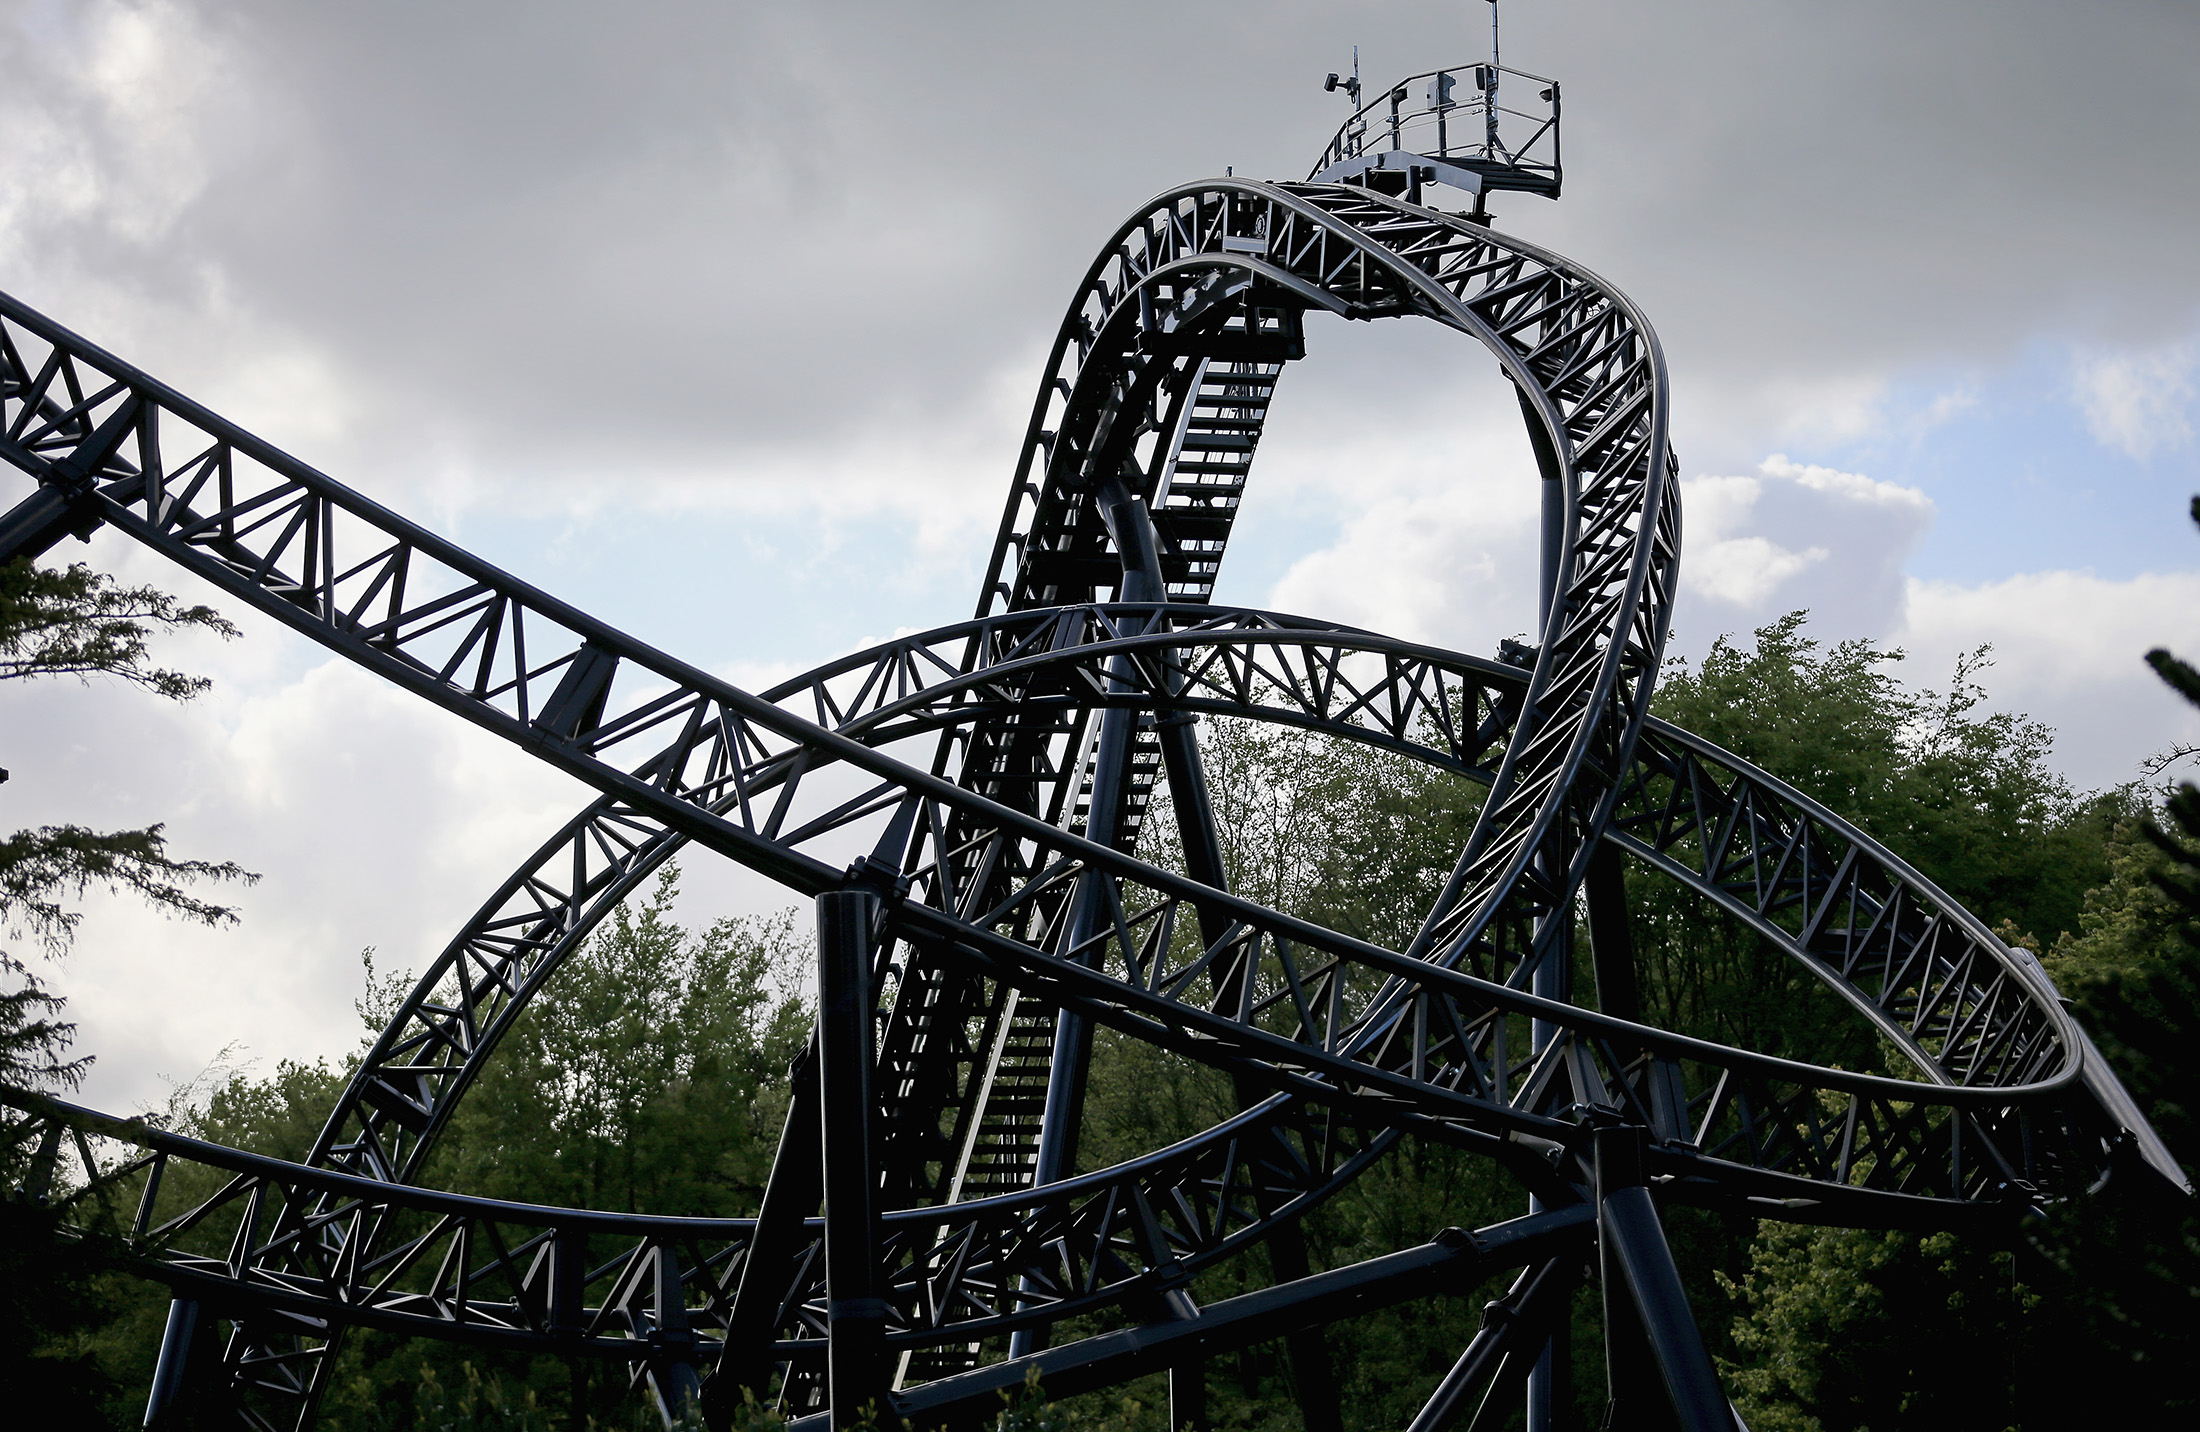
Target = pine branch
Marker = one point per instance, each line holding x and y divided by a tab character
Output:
2178	674
78	622
31	1041
40	868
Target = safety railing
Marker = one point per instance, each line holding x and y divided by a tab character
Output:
1486	117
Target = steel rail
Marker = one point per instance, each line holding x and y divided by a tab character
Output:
486	1271
1004	881
584	674
1431	671
1206	625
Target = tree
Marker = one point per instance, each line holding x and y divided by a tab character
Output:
55	1290
649	1075
78	622
2091	1317
1359	839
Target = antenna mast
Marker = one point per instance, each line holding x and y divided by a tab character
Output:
1489	96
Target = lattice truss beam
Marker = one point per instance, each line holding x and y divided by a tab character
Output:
992	780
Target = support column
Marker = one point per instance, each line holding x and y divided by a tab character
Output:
1188	1396
1548	1384
1506	1350
1661	1373
1611	944
672	1374
185	1333
1311	1372
791	1194
855	1314
1132	530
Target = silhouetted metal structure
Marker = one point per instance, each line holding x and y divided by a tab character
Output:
925	1224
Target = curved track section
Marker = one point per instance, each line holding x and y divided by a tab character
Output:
1932	980
574	1282
1002	838
303	1243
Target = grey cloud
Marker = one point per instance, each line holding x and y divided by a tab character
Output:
599	244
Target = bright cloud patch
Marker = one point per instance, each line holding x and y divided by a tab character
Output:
2138	402
1795	535
1746	570
2068	649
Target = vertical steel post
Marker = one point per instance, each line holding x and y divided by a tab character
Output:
791	1194
1489	96
1611	945
855	1314
1315	1379
1188	1396
672	1374
1554	934
1652	1341
164	1404
1132	530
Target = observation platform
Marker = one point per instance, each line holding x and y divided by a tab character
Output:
1479	128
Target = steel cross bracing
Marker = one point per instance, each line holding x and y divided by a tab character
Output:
618	1287
1932	980
276	1238
588	674
1164	369
1927	974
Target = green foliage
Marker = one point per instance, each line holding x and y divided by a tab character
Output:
650	1075
1360	839
56	1292
2091	1319
750	1416
279	1115
1027	1410
61	1298
78	622
34	1046
1960	792
473	1404
1332	830
40	868
1857	1328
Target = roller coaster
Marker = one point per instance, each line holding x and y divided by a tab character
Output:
967	809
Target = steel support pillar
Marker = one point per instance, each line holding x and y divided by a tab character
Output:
1132	530
40	520
1611	943
1661	1373
1509	1346
1316	1381
166	1404
1188	1396
856	1371
673	1379
1548	1383
791	1195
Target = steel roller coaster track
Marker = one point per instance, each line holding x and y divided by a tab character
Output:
992	781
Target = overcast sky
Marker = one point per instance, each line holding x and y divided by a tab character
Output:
722	321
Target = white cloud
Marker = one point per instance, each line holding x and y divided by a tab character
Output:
1423	569
419	267
2138	401
2067	651
116	136
1427	505
1744	571
1795	535
373	819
